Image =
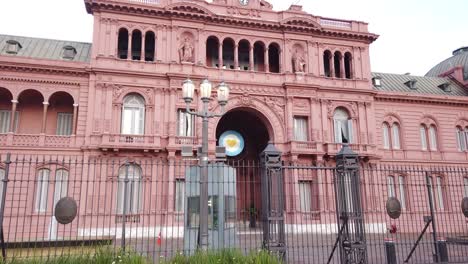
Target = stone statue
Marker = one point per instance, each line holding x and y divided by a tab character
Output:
186	51
298	62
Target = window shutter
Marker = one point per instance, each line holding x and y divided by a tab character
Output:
422	131
391	186
440	195
401	181
64	124
4	121
396	136
141	121
42	190
433	137
386	140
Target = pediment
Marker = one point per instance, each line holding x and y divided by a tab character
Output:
301	22
189	8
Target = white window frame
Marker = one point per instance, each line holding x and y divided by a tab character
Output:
462	138
386	136
433	138
343	126
179	196
134	195
186	124
440	193
391	186
396	136
64	124
133	115
5	116
402	190
301	128
42	190
305	196
423	134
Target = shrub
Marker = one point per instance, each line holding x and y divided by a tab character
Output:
225	257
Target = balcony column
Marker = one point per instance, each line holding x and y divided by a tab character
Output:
220	55
14	104
342	67
129	54
332	65
251	58
236	56
142	56
266	60
75	118
280	53
44	117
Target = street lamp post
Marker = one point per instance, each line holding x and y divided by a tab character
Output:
188	89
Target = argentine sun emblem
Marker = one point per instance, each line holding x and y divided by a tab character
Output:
233	142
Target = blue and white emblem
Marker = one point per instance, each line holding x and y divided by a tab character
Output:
233	142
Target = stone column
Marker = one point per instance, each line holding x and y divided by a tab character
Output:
266	60
251	57
129	54
281	61
143	44
236	56
342	67
75	118
14	104
220	56
332	65
44	117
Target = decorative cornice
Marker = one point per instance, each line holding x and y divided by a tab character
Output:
55	82
41	68
421	98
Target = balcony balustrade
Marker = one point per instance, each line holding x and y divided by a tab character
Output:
362	149
305	147
36	140
120	141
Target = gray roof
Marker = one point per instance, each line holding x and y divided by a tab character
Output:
424	85
459	58
45	48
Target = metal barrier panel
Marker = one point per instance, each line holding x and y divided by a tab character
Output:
140	203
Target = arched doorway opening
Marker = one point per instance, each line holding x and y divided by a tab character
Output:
256	131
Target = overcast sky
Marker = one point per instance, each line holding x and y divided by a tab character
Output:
414	34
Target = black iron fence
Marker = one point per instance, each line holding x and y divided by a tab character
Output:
149	206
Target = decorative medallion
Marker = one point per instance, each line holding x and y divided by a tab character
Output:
66	210
233	142
393	207
244	2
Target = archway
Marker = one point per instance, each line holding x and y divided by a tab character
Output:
253	127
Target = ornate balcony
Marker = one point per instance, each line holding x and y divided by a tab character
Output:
362	149
186	141
37	140
303	147
119	141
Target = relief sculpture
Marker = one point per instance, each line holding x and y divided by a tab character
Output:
186	51
298	61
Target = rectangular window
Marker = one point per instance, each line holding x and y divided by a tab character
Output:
179	195
42	189
64	124
401	185
5	117
391	186
462	139
300	129
305	196
343	131
440	195
396	137
423	138
186	124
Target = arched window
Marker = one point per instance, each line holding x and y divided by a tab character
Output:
337	63
433	137
386	135
423	133
131	201
396	144
391	186
343	126
244	55
212	52
397	189
228	54
149	46
136	45
61	185
133	115
327	58
462	138
437	192
259	56
122	45
42	190
348	63
274	58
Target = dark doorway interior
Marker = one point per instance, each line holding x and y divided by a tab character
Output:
252	128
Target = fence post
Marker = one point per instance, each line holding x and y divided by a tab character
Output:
390	251
273	204
431	207
352	239
124	213
2	205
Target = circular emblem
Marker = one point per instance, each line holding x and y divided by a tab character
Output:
66	210
465	206
233	142
393	208
244	2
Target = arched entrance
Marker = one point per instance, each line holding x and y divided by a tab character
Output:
255	130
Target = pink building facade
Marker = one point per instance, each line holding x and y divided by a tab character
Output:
298	80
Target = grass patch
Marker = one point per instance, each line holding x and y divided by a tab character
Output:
225	257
